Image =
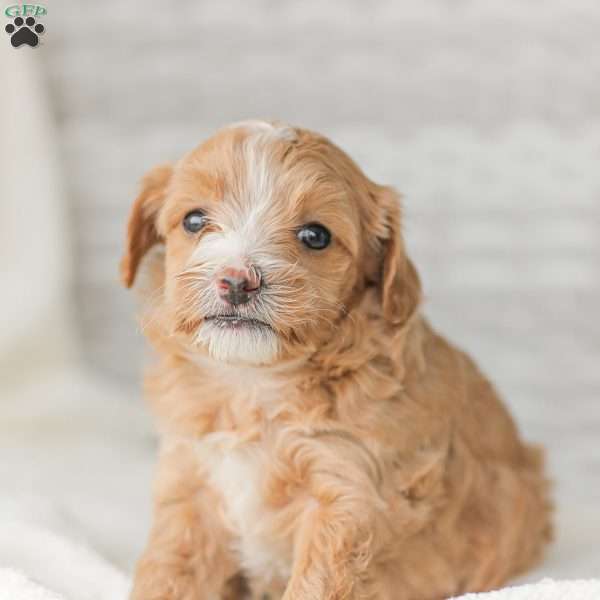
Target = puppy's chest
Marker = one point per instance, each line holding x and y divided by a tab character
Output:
239	459
244	459
239	471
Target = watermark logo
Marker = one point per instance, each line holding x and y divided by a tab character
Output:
25	29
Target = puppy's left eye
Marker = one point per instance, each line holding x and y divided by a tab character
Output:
194	221
314	236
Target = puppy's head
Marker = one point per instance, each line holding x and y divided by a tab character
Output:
272	235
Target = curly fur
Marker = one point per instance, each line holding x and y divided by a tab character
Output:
346	451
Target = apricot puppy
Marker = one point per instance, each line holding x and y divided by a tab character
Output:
319	440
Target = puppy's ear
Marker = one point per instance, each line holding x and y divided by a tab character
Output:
399	281
141	228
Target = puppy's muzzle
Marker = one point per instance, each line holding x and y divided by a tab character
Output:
238	286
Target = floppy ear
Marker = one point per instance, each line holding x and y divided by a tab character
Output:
141	228
399	283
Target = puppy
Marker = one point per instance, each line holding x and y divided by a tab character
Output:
319	440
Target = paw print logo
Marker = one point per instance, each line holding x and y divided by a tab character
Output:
24	32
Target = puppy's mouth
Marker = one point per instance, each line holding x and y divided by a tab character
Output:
236	322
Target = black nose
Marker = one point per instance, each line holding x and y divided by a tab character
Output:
238	286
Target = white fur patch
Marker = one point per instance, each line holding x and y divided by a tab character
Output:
225	248
251	345
242	239
236	470
243	221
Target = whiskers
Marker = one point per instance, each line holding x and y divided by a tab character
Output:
289	308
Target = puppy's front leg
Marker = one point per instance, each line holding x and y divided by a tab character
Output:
332	558
186	557
342	531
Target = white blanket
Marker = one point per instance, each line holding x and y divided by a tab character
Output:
15	586
53	567
50	566
546	589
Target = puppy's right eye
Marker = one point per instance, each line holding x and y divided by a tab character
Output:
194	221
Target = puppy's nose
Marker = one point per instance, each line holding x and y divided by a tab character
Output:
238	286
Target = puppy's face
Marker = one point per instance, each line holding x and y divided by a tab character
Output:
271	235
